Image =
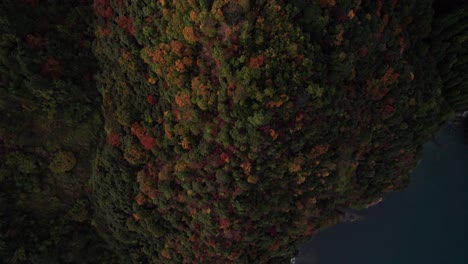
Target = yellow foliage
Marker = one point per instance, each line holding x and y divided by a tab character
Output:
136	217
325	173
164	174
351	14
185	143
217	14
167	132
180	167
189	34
245	4
62	162
273	104
294	167
151	80
135	155
165	253
300	180
252	179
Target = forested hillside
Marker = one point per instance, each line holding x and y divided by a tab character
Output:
211	131
50	123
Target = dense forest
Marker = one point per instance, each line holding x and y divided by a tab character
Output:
225	131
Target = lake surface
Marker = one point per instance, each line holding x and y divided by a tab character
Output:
425	224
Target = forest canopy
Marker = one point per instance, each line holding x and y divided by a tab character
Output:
225	131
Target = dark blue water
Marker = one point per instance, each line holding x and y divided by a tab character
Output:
425	224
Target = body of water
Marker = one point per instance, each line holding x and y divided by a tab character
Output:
425	224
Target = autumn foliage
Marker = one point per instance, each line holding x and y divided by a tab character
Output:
269	117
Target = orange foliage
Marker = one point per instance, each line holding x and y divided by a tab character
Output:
187	61
299	58
179	66
296	165
177	47
309	229
113	139
193	16
246	166
256	62
327	3
103	32
225	32
300	180
318	150
136	217
158	57
273	134
140	199
198	87
275	246
137	130
223	222
273	104
51	68
182	99
339	38
126	24
102	8
178	81
167	132
165	253
390	77
185	143
299	117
